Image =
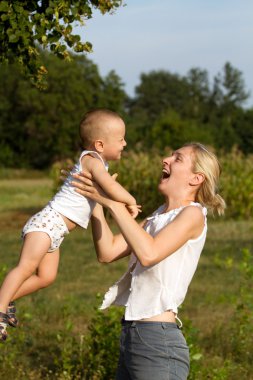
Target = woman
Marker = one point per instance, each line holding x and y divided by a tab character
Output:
165	250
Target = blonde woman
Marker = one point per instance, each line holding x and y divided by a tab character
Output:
164	253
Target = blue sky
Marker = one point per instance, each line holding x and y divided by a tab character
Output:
174	35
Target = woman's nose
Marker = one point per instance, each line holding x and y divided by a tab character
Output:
167	160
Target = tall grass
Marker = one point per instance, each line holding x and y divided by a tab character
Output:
140	174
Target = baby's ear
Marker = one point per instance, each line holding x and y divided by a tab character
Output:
99	146
197	179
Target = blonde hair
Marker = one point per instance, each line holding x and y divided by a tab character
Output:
206	163
94	124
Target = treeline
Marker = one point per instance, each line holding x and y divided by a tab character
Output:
38	128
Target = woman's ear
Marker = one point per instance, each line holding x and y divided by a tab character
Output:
99	146
197	179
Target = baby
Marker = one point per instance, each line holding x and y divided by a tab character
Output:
103	137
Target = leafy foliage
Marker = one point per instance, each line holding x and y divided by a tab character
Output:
38	128
169	109
140	173
103	345
237	184
26	24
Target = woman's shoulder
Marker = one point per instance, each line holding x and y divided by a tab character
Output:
193	215
194	210
199	207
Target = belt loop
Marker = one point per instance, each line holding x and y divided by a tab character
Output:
133	324
180	325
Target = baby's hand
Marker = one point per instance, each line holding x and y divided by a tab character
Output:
134	210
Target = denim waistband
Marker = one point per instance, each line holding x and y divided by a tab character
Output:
172	325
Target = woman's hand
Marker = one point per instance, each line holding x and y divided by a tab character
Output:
90	189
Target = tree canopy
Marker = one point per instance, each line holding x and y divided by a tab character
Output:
38	128
26	25
169	109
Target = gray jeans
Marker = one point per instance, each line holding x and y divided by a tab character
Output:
152	351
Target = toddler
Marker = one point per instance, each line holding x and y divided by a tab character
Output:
103	137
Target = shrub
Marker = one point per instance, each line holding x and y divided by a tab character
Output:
102	345
140	172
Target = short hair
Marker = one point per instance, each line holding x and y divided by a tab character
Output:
93	125
207	163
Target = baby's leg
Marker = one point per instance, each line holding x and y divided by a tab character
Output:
35	247
46	274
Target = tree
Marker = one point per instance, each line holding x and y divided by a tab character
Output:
40	127
115	96
226	100
25	25
229	87
159	91
171	130
199	93
243	126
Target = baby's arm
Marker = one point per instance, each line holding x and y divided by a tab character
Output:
112	188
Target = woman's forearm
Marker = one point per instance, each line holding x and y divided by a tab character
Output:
102	235
108	247
137	238
188	224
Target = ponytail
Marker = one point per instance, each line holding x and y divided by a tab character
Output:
206	162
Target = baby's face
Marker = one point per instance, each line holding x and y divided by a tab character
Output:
114	142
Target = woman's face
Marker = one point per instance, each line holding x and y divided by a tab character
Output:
177	172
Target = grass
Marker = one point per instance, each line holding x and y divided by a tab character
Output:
52	317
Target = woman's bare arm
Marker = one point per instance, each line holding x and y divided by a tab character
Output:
108	247
149	250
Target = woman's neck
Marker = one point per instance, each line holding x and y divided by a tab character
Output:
172	204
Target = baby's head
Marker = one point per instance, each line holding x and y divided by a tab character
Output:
103	130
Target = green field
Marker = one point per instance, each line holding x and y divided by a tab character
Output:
54	322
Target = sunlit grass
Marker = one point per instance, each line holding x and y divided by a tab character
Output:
68	305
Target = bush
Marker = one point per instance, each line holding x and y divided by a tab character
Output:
102	345
237	184
140	174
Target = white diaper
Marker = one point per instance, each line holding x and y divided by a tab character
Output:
49	221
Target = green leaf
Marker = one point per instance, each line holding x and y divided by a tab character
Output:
4	17
4	6
13	38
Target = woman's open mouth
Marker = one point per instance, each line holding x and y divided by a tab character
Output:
165	174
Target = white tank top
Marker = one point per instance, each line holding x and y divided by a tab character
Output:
71	204
149	291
